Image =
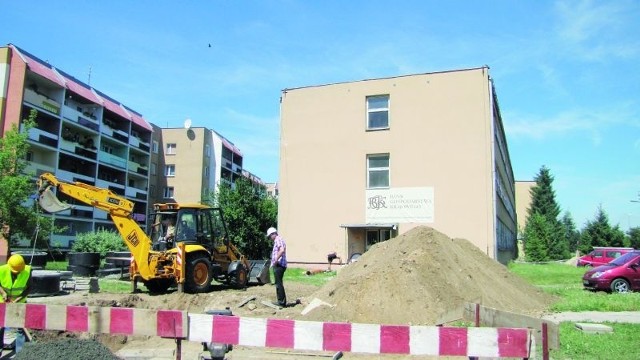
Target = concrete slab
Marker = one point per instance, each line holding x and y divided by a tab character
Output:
594	328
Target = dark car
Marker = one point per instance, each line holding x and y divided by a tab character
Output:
620	275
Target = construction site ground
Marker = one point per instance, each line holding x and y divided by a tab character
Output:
418	278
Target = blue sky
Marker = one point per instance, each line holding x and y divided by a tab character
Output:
567	73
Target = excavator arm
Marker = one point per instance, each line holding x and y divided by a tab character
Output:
118	208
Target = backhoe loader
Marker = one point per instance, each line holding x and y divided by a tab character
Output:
194	253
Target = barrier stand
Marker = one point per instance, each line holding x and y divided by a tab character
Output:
180	267
545	342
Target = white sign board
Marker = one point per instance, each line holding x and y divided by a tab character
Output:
400	205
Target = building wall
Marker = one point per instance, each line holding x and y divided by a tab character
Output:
189	160
523	201
441	136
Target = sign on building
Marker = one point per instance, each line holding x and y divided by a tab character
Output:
400	205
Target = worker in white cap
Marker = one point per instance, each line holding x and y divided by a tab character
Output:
278	264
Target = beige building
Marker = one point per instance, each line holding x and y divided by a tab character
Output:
195	161
364	161
523	202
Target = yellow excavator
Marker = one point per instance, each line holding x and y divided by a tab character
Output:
186	244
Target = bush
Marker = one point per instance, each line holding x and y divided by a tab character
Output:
101	242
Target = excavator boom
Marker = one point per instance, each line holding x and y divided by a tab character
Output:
119	209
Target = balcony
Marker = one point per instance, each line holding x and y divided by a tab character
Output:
42	101
111	159
38	169
80	118
43	137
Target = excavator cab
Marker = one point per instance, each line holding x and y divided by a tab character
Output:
198	227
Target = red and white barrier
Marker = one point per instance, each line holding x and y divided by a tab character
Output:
276	333
95	320
362	338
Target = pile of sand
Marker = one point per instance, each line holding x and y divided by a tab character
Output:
419	277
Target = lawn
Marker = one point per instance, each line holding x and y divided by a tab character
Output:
565	281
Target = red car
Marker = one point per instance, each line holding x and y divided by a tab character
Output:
620	275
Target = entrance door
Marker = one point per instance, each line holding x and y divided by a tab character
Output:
376	235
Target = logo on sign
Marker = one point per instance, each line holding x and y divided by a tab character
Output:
113	200
377	202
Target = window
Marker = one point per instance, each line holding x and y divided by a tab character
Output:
152	190
377	112
153	168
168	192
207	150
171	149
378	171
170	170
206	171
155	147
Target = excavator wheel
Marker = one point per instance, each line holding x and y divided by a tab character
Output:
198	274
238	278
158	286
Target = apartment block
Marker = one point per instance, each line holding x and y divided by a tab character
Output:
195	161
81	134
365	161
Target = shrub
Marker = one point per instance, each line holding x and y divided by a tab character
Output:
101	241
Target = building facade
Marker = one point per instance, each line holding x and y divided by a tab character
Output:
81	134
391	154
195	161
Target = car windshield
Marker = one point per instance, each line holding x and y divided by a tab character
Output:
624	258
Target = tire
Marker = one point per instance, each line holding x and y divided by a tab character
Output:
238	278
198	274
44	283
158	286
620	286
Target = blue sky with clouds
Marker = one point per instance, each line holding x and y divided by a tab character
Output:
567	73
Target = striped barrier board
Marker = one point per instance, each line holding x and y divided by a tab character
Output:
95	320
273	333
361	338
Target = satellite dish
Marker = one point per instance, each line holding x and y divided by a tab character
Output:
187	124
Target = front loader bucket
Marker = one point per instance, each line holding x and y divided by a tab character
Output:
50	203
259	272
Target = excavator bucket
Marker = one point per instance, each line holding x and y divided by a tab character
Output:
50	203
259	272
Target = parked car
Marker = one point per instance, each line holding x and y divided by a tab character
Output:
602	255
620	275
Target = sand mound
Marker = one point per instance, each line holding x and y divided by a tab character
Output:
418	277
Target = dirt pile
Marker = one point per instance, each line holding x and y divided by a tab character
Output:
418	277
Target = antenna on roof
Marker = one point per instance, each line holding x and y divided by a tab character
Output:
89	77
187	124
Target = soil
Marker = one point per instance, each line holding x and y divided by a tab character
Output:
417	278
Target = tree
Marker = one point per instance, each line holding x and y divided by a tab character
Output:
570	232
537	233
543	203
248	212
599	233
634	237
16	187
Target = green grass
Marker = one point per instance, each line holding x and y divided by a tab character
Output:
565	281
621	344
300	275
57	265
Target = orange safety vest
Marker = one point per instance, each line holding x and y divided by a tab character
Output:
14	288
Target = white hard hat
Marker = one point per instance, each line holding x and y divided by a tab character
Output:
271	231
